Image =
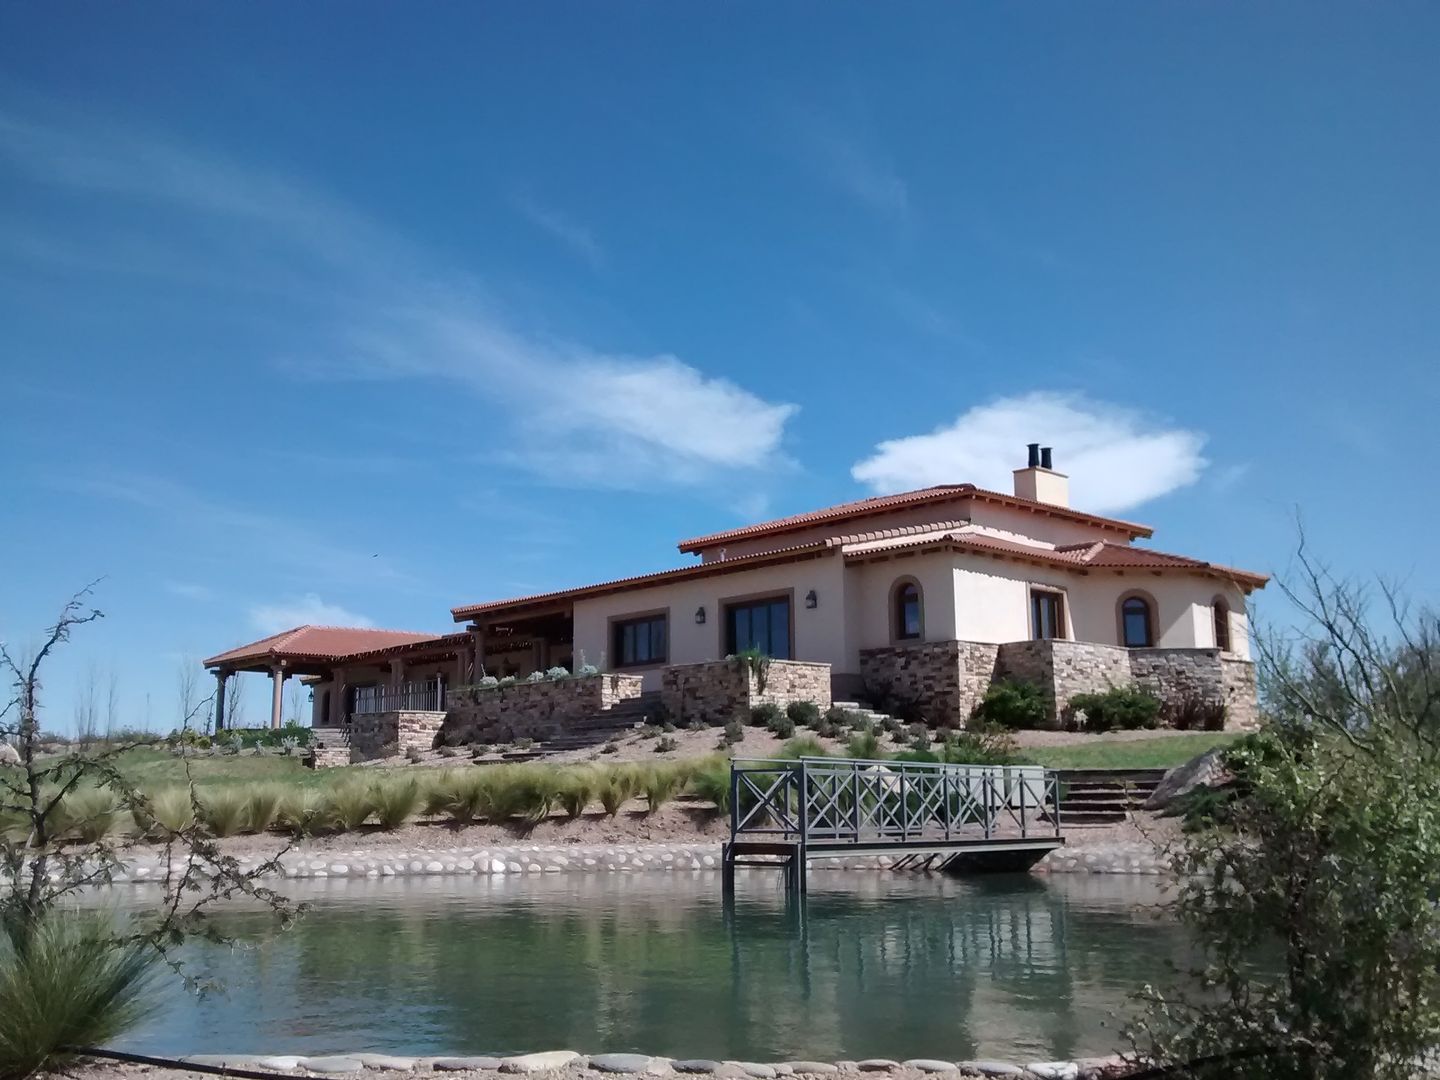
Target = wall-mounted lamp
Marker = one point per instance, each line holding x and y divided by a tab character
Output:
811	600
699	616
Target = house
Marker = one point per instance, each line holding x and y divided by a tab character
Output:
925	596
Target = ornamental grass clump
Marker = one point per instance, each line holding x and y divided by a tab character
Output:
68	982
659	785
302	811
225	811
170	810
615	789
349	805
712	783
576	792
263	808
397	800
89	814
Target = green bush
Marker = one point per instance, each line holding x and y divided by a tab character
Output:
248	738
225	811
781	726
803	746
981	745
170	810
803	713
766	714
89	814
665	745
263	802
659	784
577	789
349	805
733	733
71	984
1011	703
864	745
1192	712
397	801
615	789
1121	708
712	783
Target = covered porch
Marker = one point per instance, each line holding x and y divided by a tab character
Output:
524	638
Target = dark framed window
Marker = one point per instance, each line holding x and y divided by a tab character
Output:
1221	612
1137	623
759	624
908	621
1047	615
636	642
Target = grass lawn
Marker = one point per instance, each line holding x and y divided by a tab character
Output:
152	769
1141	754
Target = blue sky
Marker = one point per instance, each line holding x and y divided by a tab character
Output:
354	312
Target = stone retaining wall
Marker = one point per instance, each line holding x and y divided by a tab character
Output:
943	680
1065	668
719	691
1207	674
527	710
390	734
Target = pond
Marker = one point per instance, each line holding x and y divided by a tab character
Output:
880	965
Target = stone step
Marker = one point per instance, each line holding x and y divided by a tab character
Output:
1091	817
1087	806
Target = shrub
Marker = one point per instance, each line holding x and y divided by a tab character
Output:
919	736
733	734
449	751
712	783
71	985
650	731
557	673
864	745
456	795
506	680
1122	708
488	682
765	715
397	801
576	790
527	792
262	806
302	811
666	745
413	755
891	726
781	726
658	785
169	811
225	811
89	814
349	805
803	713
1014	704
587	669
611	747
695	725
1192	712
981	745
615	789
803	746
535	676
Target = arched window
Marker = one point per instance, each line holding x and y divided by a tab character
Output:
1137	622
909	614
1221	612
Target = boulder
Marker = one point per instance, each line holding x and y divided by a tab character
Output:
8	754
1206	770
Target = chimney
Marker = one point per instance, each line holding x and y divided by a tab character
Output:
1038	481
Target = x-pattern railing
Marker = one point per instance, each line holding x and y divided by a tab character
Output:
832	800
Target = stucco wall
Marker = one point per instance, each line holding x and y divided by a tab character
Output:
818	634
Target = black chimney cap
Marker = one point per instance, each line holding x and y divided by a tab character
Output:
1045	457
1034	449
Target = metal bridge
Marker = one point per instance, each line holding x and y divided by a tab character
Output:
784	813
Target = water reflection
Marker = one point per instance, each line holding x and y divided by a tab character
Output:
879	966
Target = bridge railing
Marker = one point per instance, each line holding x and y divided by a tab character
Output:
837	801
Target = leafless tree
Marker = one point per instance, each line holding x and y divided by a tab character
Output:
87	706
112	703
296	700
187	690
234	702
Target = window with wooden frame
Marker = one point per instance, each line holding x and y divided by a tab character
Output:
1137	621
640	641
1047	614
1220	612
763	625
907	611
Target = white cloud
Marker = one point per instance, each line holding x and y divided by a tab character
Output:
1116	457
308	609
576	237
386	310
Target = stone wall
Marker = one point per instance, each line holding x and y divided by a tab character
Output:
1242	702
1064	668
719	691
526	710
944	680
390	734
1207	674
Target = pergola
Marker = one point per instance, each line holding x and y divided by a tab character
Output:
305	650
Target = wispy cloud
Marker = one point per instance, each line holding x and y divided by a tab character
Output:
1116	457
576	237
851	161
189	590
385	309
305	610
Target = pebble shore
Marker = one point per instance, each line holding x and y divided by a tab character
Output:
1107	858
570	1065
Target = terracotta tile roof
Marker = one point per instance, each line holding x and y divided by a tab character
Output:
317	643
684	573
1100	555
880	504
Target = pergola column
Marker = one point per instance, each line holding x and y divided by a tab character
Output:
277	693
336	715
220	677
477	642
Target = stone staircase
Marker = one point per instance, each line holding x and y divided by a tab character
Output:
1104	796
329	748
599	728
863	711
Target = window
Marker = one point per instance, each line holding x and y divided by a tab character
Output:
759	624
1221	611
1137	624
1047	614
641	641
908	624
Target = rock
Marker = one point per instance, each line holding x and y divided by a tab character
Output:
280	1061
1205	770
464	1064
542	1062
696	1065
993	1068
621	1063
8	754
228	1061
333	1064
754	1068
386	1061
1054	1070
931	1065
877	1065
811	1067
